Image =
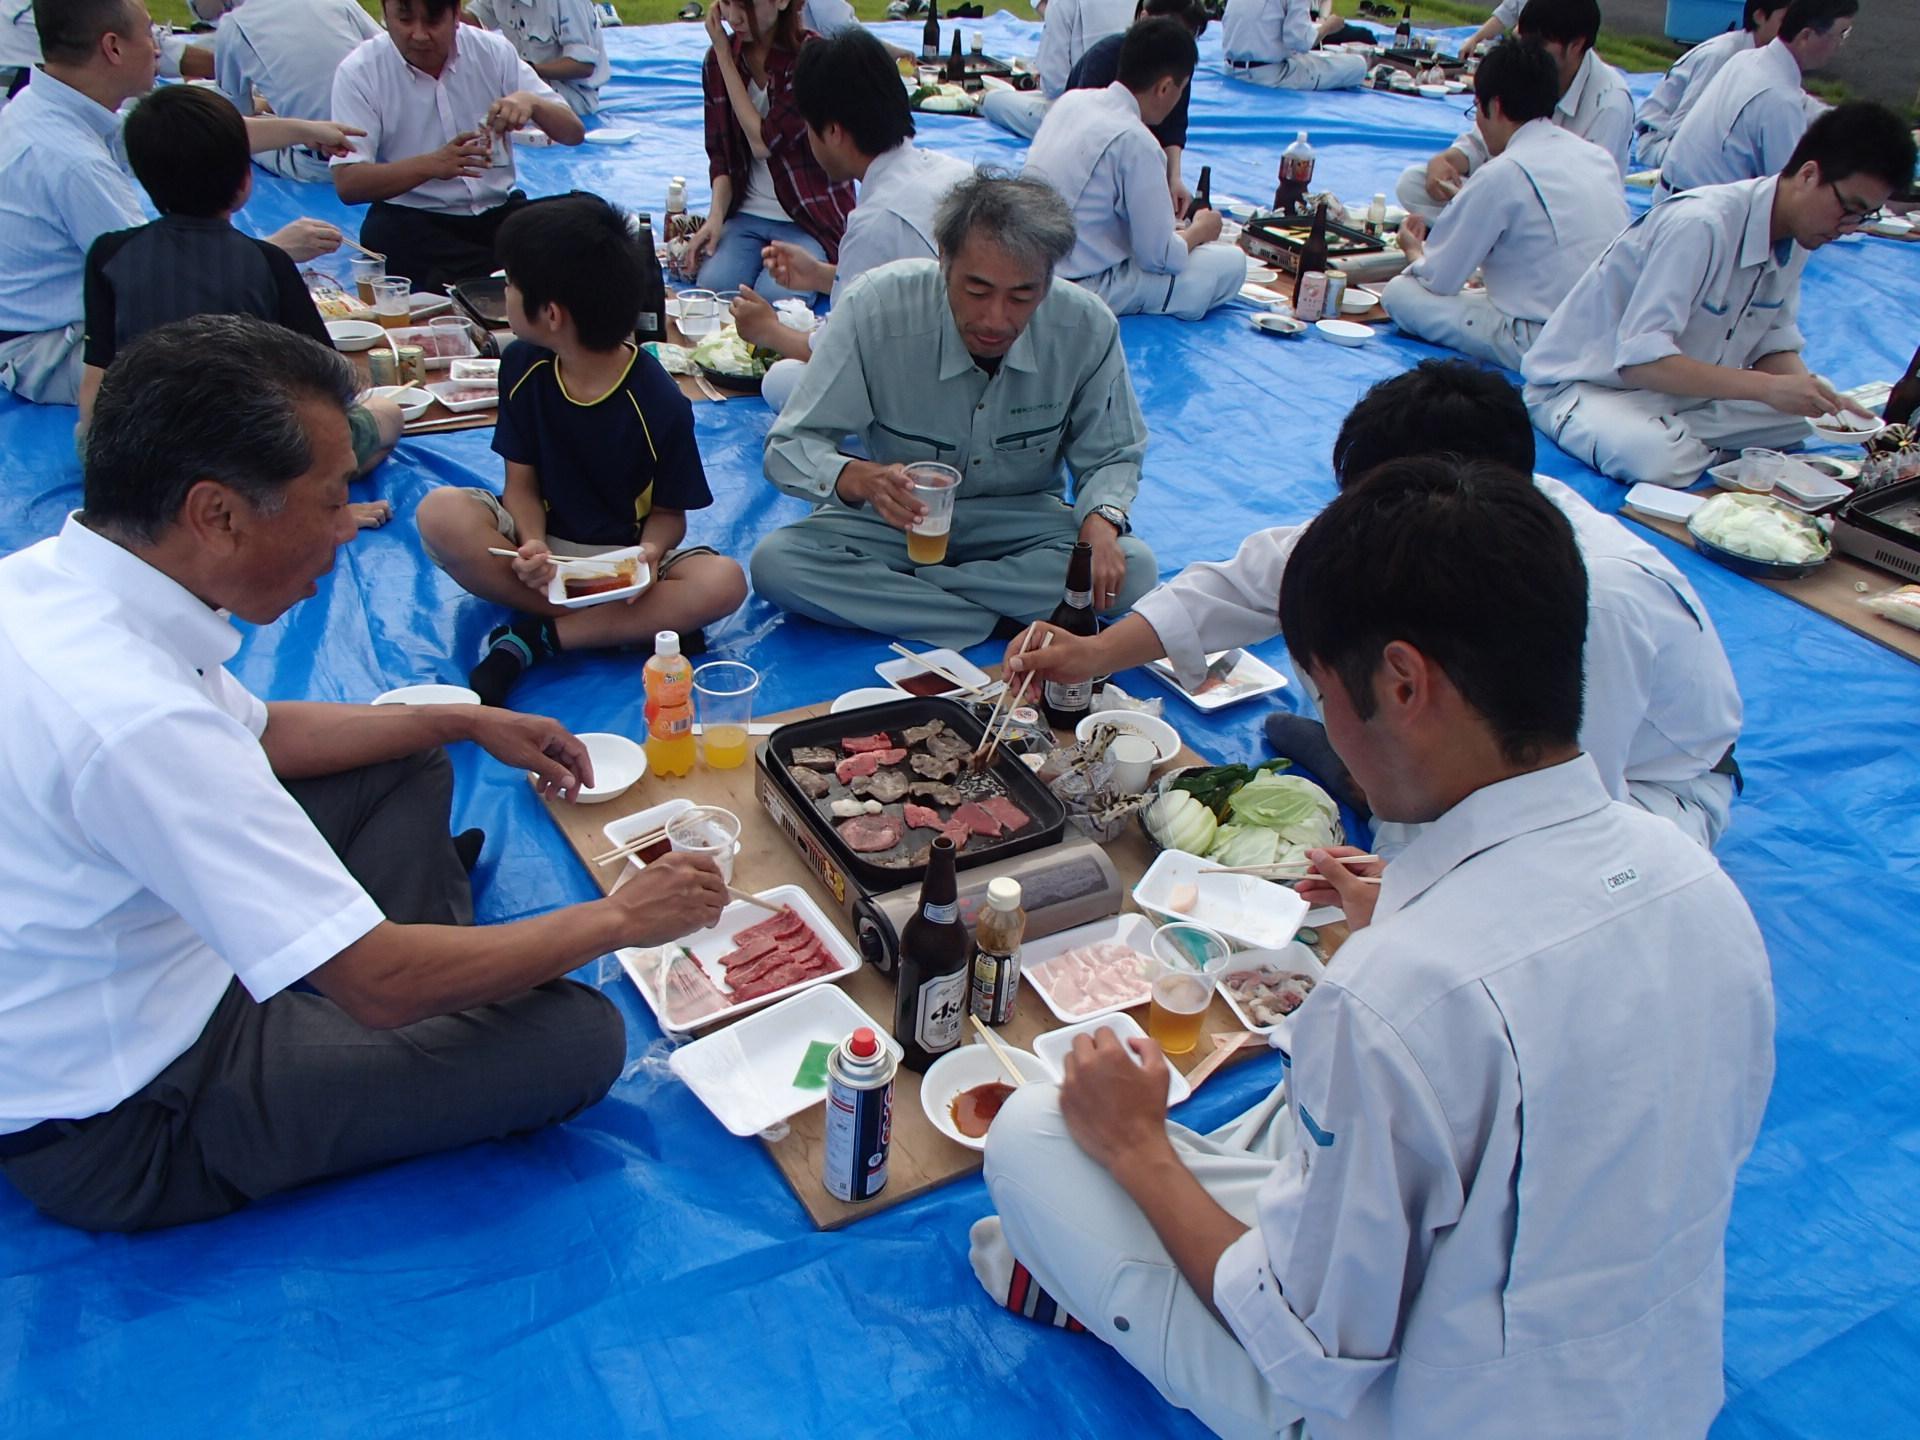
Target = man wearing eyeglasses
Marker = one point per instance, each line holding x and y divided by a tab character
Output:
1680	341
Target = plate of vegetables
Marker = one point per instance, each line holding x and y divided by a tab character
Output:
726	359
1243	815
1757	536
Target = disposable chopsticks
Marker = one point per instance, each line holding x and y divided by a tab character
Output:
631	847
999	1053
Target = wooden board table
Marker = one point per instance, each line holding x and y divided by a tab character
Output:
922	1158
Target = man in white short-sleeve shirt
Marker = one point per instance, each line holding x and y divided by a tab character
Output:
1476	1204
285	53
1680	342
181	853
439	102
1680	89
560	40
1276	43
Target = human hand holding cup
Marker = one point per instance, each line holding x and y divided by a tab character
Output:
935	486
707	830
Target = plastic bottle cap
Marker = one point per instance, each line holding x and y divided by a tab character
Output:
863	1045
666	642
1004	893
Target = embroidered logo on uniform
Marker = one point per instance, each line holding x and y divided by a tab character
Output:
1029	409
1622	878
1322	1138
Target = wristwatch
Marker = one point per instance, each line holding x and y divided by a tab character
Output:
1115	517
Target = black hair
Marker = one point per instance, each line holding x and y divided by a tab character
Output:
1190	13
1560	21
1858	138
1454	405
1815	15
1465	562
574	251
188	147
1153	50
848	79
215	398
1522	76
1750	17
436	9
70	30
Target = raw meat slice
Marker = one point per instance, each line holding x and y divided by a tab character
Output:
886	786
783	926
1094	977
865	763
811	783
936	767
687	993
919	817
979	821
792	971
1006	812
870	833
956	830
817	757
856	744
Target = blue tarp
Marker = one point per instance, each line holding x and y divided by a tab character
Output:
639	1271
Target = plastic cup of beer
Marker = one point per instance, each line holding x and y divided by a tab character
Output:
723	692
934	486
393	302
699	313
366	270
707	830
1187	961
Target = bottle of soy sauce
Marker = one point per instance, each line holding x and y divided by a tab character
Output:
930	35
930	1006
1203	192
1066	705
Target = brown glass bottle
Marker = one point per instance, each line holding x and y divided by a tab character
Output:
930	1006
1905	398
956	62
1313	255
930	35
1203	192
1066	705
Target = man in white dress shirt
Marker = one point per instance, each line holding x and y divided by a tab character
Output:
859	127
1530	220
1751	115
285	52
1680	89
1663	710
438	101
1273	42
560	39
1680	341
1068	29
1594	104
181	854
1490	1196
1096	150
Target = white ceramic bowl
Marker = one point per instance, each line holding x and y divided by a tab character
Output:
863	697
352	336
1357	301
1166	739
428	695
618	764
1344	332
962	1069
412	400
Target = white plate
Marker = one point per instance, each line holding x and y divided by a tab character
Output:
1845	429
1892	226
1295	958
1244	908
442	389
613	135
1054	1047
1166	739
1250	676
1133	931
428	695
557	586
1279	324
352	336
618	764
860	699
1261	275
1435	92
1344	332
1801	485
744	1074
894	671
962	1069
412	400
708	947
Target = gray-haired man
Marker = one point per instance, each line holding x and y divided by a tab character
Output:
980	362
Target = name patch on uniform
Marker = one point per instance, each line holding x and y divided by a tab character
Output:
1620	879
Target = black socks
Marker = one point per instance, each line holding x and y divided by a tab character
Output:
511	649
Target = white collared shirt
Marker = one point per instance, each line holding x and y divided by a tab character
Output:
62	186
288	51
892	218
1597	107
1520	1098
151	854
1533	218
1697	275
1094	148
1681	87
824	17
1071	28
1744	125
1267	32
1662	704
543	30
407	112
19	35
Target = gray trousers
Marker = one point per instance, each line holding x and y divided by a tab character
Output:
274	1095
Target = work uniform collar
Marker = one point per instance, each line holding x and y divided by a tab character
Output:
1756	239
957	360
1569	105
152	604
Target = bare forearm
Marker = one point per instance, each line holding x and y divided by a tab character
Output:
1192	1225
742	102
1694	379
663	529
371	180
562	69
521	500
304	739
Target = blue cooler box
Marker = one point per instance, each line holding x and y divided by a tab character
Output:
1691	21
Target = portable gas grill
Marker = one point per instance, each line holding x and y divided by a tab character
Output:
1279	239
1882	527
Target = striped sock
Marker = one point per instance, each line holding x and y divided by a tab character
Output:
1009	1282
511	649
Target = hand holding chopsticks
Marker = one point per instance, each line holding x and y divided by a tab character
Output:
989	745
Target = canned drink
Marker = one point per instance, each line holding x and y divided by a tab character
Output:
412	365
382	366
1336	292
859	1117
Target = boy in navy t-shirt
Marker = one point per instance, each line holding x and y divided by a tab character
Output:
600	455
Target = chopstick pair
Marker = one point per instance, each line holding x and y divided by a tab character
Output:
580	566
989	745
1300	872
1014	1077
631	847
945	674
735	891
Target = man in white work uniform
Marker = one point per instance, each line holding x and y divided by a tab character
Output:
285	53
1096	150
1275	42
1490	1197
1529	221
1756	109
1594	104
1680	89
559	39
1680	341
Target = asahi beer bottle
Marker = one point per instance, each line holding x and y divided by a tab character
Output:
1066	705
956	62
1203	192
931	1005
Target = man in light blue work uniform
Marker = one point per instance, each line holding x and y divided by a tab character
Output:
980	362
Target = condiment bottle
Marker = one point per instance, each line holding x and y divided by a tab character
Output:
931	1002
1377	214
1296	173
997	932
1067	704
669	681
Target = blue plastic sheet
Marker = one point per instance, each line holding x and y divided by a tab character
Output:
639	1271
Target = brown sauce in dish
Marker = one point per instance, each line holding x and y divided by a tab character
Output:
654	851
578	586
973	1110
925	685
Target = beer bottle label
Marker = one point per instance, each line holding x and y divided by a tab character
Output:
942	914
942	1008
1077	696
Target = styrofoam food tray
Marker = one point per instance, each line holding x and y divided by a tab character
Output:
428	695
952	661
744	1074
964	1068
708	946
441	389
1294	958
654	817
1250	676
1054	1047
1244	908
1134	931
557	586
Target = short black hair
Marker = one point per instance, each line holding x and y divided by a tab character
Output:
848	79
575	251
1560	21
1474	568
1190	13
1858	138
434	8
1522	76
1750	17
188	147
70	30
1815	15
1468	410
216	398
1154	49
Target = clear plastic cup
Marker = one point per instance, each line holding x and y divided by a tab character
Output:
701	313
934	485
1187	961
393	302
1759	469
707	830
365	270
723	692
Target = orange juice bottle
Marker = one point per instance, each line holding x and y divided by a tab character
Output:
669	681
